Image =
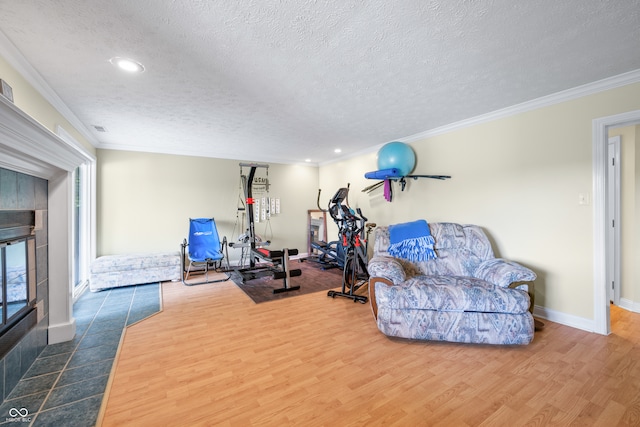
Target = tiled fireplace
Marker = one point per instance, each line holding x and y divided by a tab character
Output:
36	174
23	274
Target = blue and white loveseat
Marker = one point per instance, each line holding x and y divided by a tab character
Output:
464	295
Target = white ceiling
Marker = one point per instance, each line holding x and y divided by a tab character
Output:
289	80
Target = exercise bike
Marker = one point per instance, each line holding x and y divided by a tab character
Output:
354	237
356	259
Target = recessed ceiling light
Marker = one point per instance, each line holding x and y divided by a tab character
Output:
307	160
127	64
337	150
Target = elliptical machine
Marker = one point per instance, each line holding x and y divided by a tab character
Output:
353	234
328	254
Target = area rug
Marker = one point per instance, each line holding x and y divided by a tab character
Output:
313	279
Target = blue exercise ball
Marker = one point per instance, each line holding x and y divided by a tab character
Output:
397	155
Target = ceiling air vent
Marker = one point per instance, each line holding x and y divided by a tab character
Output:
99	128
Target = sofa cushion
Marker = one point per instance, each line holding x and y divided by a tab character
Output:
452	293
460	249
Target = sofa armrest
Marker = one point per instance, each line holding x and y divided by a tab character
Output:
372	293
388	268
530	290
502	272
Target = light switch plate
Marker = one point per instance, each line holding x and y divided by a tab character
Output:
583	199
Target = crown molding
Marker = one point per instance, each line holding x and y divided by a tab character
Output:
28	147
620	80
15	58
614	82
199	153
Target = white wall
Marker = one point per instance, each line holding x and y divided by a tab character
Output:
145	200
519	178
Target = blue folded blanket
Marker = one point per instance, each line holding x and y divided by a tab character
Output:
412	241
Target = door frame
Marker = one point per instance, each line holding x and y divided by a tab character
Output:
614	222
600	146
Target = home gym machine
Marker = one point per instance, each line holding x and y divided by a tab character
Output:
353	239
274	263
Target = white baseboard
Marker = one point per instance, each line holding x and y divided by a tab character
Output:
579	322
62	332
630	305
564	319
300	256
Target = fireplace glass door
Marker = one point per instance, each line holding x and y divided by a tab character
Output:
17	266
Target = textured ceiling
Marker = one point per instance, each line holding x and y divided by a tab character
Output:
284	81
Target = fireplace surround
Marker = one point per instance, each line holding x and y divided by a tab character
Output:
36	173
26	183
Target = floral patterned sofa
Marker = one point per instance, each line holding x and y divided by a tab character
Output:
463	295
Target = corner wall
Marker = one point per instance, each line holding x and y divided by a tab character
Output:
519	178
27	98
145	201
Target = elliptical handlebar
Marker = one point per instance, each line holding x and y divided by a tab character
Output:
318	201
349	222
364	218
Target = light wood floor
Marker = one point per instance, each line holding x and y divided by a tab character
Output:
213	357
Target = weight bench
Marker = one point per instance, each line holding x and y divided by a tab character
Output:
279	268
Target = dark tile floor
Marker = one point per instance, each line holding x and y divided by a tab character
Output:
65	385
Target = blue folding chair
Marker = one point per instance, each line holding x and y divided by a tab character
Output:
204	250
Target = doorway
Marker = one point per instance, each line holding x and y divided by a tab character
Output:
602	229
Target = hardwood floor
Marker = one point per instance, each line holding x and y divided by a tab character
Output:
213	357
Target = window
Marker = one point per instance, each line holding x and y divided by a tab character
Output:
82	233
81	229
